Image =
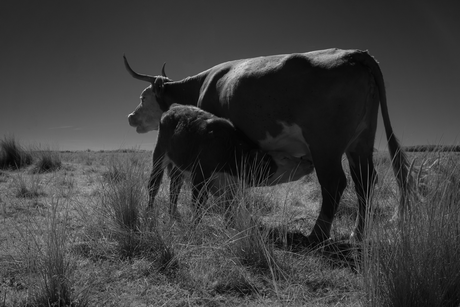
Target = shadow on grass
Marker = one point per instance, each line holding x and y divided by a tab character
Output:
337	252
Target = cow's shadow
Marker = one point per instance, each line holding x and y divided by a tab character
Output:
338	252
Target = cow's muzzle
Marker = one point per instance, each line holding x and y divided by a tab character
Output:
133	122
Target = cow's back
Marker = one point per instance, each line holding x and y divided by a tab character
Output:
261	94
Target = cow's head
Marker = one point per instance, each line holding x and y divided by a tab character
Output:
146	116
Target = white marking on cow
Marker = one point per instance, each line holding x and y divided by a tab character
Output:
290	152
290	141
290	168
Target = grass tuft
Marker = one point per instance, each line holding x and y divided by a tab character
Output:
48	161
414	262
13	155
122	198
57	266
27	188
250	245
45	249
235	280
115	173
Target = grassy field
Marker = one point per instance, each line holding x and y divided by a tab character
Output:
74	231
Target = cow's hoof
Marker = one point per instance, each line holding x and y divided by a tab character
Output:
298	242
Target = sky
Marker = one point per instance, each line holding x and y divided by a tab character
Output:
63	84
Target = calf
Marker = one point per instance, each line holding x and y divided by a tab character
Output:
212	150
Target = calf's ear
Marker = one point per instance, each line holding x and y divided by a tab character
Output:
218	128
216	125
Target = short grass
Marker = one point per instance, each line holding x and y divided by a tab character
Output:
85	238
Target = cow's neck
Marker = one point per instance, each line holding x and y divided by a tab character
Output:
184	92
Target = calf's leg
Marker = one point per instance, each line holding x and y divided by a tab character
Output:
156	175
199	196
176	182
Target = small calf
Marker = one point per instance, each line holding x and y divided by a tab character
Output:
212	150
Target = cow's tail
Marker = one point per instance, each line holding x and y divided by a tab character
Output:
401	166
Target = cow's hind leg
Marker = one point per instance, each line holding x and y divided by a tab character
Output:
176	182
364	176
333	181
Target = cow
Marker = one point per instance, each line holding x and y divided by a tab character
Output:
311	107
213	152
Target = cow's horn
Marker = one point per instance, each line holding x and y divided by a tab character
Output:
163	73
135	75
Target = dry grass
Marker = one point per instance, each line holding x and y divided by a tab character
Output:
86	238
27	186
414	262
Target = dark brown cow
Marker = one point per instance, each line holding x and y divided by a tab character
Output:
311	107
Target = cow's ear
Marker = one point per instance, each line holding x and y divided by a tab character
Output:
159	86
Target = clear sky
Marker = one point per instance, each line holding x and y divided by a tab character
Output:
63	83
